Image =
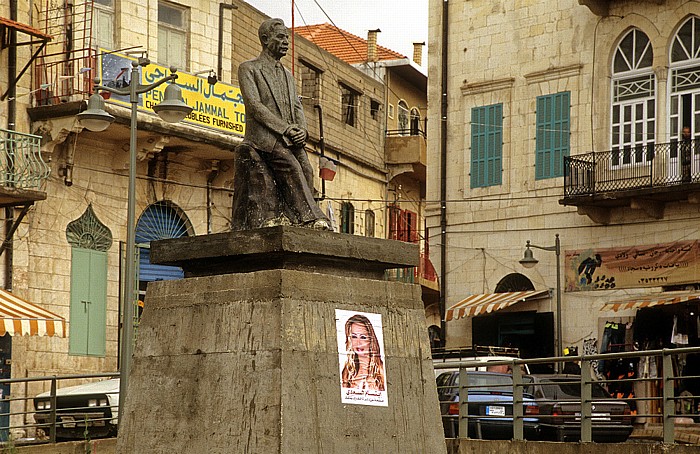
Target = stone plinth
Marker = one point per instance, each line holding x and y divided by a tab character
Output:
248	362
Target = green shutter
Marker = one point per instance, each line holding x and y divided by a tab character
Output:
88	307
552	136
487	145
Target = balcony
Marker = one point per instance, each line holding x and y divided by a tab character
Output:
406	153
424	274
644	178
22	169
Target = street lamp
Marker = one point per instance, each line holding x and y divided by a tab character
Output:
95	118
528	261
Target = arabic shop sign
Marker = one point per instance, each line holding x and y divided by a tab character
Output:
633	267
218	106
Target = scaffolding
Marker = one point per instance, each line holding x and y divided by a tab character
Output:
65	69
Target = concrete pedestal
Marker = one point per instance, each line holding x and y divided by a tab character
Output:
248	362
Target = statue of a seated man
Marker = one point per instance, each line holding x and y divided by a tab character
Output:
273	181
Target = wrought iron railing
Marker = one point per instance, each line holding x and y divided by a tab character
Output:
21	163
405	132
632	168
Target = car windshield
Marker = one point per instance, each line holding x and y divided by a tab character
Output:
477	382
567	388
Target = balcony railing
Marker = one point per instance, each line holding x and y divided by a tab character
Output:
632	168
21	164
425	271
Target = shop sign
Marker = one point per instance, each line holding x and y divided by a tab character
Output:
632	267
218	106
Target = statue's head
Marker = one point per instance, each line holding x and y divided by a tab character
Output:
274	37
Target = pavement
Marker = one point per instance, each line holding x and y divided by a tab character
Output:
686	431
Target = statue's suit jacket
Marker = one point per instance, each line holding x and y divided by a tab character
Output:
263	93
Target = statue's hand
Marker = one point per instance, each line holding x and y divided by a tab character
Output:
297	135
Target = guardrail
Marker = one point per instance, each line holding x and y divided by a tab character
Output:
18	422
667	378
21	163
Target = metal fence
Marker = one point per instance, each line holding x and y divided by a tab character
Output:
630	168
667	379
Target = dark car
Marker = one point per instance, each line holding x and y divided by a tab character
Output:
90	407
490	406
559	399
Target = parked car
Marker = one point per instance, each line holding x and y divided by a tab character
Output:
489	403
92	406
482	355
559	399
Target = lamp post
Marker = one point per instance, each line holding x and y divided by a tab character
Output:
528	261
172	110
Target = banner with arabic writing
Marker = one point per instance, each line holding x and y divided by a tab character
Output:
361	358
219	106
632	267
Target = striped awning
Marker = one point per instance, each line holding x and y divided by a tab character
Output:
22	318
489	302
651	300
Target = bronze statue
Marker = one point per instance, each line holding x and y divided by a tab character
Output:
273	181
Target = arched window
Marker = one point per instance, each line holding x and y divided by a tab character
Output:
415	122
403	118
633	100
684	103
159	221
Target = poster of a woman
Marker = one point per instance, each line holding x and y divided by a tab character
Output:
361	358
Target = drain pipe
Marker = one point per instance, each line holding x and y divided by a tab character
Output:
443	173
11	126
220	57
321	145
210	179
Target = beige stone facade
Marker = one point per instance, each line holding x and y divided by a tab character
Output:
510	53
187	166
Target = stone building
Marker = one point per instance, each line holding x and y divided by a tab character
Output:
67	253
404	109
565	118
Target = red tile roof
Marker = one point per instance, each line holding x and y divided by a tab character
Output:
344	45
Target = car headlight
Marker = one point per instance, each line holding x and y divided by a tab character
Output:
97	402
43	405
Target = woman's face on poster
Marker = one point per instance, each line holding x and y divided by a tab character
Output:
360	339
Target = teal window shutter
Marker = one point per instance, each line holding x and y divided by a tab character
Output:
487	145
552	137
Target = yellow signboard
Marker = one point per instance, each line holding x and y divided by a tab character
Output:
219	106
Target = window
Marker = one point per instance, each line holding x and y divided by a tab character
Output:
369	223
633	103
487	145
403	225
390	111
349	105
347	218
415	122
403	118
172	35
374	107
552	136
103	24
685	98
310	83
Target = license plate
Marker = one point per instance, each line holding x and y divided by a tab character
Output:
495	410
595	416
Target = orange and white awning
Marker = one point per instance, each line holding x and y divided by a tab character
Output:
651	300
489	302
22	318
